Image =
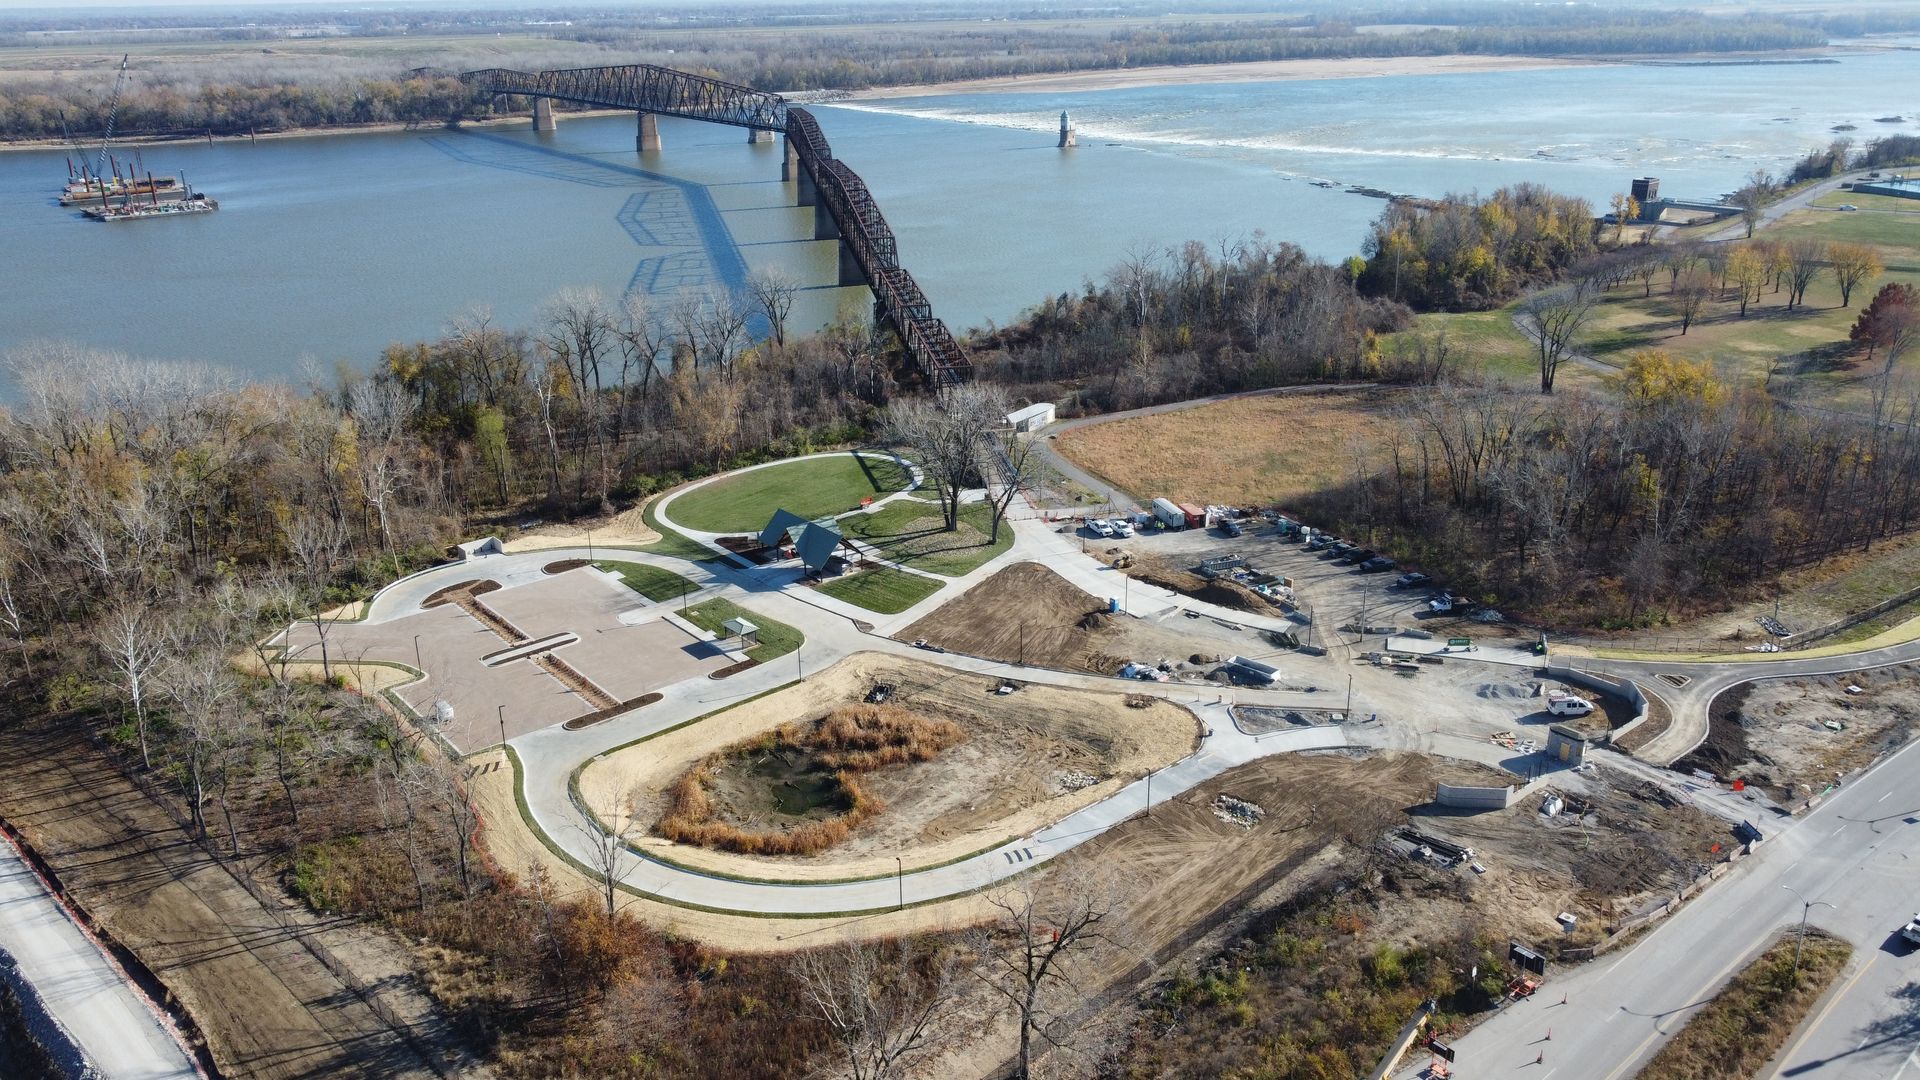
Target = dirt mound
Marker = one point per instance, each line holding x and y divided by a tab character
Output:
563	566
1221	592
466	590
1025	614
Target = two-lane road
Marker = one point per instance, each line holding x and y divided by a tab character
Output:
1860	851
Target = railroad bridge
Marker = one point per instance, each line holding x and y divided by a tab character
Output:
843	209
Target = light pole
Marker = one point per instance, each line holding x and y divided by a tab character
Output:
1149	792
503	728
1349	697
1806	906
900	878
417	665
589	545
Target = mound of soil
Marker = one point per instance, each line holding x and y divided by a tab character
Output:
1025	614
1220	591
563	566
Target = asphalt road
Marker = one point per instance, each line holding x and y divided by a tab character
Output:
105	1019
1859	851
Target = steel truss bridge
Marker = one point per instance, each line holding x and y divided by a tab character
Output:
869	253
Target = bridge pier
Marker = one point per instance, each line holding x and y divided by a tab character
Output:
648	138
850	267
543	115
790	162
759	135
824	227
805	192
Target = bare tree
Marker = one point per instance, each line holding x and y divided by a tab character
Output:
944	438
1691	291
882	1004
203	692
463	818
137	638
1554	318
773	293
316	543
609	852
1032	946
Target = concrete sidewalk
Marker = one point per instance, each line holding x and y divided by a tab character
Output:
106	1020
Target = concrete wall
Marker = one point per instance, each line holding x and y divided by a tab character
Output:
1473	798
1625	689
1808	637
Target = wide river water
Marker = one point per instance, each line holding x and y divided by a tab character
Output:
328	248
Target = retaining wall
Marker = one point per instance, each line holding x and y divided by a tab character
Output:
1473	798
1625	689
1818	633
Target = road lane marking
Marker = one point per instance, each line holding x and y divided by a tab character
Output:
1713	984
1832	1002
1883	798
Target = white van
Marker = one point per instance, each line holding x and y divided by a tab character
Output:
1568	705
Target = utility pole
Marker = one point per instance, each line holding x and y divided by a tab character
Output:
503	729
900	877
1349	696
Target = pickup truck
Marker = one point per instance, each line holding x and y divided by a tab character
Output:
1910	933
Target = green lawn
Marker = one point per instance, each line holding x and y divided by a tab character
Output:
813	488
882	589
1867	202
911	533
671	542
649	581
777	639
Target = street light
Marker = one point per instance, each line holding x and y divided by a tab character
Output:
1806	906
900	876
417	665
503	728
1349	697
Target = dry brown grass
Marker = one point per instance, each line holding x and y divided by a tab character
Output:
1249	452
851	740
1746	1023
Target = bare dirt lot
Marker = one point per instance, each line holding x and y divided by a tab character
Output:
1027	614
1025	762
1260	451
266	1005
1774	734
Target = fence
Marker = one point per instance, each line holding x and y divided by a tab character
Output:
1625	928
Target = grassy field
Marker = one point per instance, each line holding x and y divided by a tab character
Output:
777	639
672	543
649	581
912	533
1253	451
882	589
1748	1021
813	488
1868	202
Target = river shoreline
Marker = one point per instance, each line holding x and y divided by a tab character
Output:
303	133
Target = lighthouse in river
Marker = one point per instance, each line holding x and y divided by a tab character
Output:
1066	130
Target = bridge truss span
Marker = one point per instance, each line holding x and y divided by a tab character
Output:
643	88
839	191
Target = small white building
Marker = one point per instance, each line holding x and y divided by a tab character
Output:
1032	418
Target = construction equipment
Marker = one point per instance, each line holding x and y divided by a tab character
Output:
113	112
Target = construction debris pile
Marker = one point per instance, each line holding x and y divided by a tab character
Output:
1237	811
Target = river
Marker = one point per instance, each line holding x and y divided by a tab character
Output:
326	249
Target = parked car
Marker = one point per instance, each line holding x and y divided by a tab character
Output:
1320	542
1121	527
1099	527
1409	580
1911	932
1358	556
1848	207
1231	527
1442	603
1377	564
1339	549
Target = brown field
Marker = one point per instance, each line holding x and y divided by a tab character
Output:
1257	451
1005	780
1749	1020
1773	733
266	1005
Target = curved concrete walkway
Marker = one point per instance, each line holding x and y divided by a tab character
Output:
550	756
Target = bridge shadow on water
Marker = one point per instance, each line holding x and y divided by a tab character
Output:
667	212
